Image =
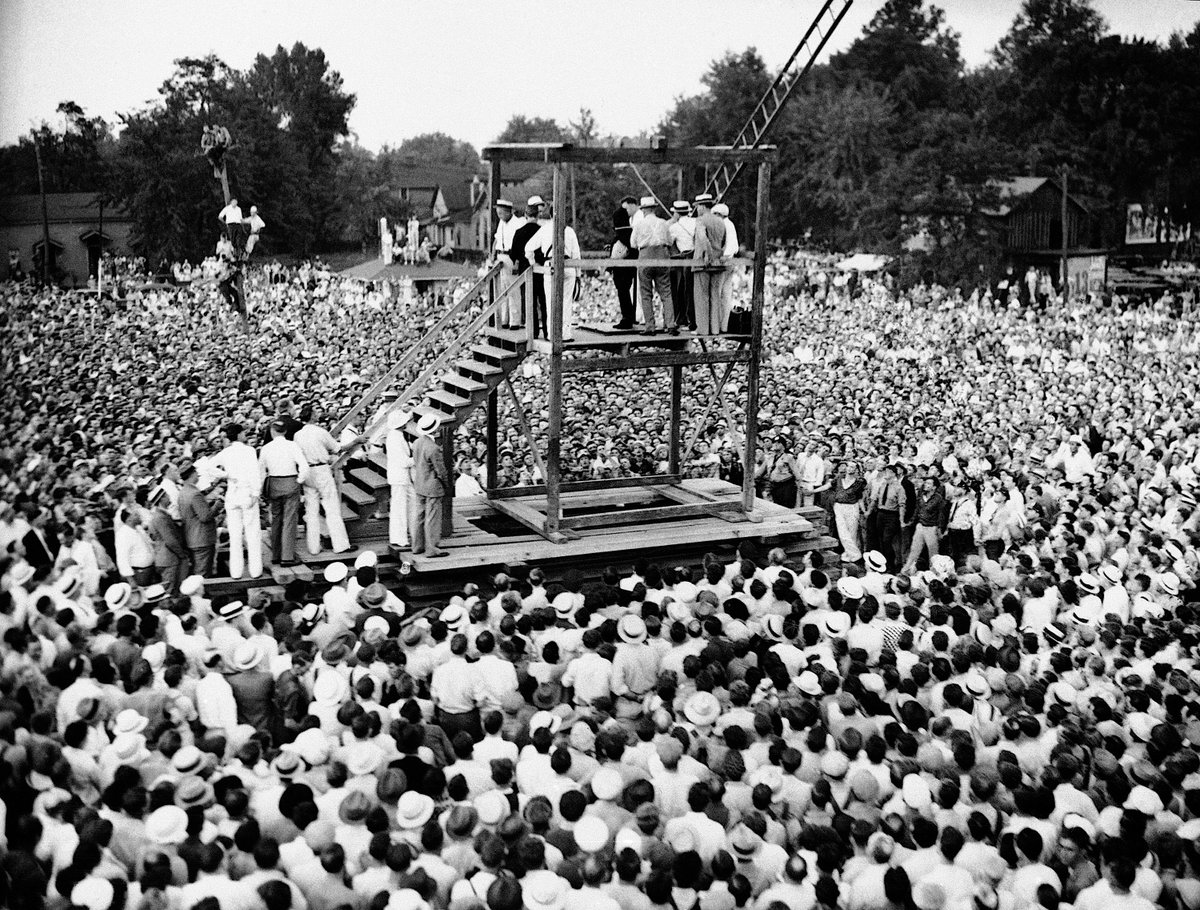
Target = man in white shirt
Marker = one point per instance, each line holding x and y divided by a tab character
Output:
651	237
238	463
399	476
683	245
506	227
320	490
721	317
135	550
541	249
454	689
284	469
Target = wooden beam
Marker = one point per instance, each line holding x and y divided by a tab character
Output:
523	420
448	499
712	400
582	486
553	472
659	513
523	513
493	436
676	408
494	190
554	153
650	361
604	263
761	227
682	495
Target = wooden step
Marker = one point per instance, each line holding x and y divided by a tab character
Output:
378	461
488	353
448	401
357	496
478	368
457	381
348	514
507	339
368	479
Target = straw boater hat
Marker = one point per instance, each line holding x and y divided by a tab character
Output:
631	629
428	423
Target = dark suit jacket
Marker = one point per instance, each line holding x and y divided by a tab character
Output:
40	554
521	237
254	692
430	477
199	517
169	545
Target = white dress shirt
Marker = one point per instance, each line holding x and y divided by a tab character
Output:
283	458
238	463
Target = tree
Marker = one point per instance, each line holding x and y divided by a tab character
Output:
74	154
440	149
532	129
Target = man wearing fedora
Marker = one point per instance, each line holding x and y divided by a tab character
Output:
431	482
651	237
284	469
402	510
708	265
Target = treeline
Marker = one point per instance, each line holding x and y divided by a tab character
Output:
893	137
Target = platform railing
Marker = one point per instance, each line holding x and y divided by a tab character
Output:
465	336
413	354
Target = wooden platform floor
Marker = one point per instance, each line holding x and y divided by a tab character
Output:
607	338
476	551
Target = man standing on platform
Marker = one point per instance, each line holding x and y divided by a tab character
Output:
319	449
708	265
431	482
651	237
622	248
199	525
511	316
683	245
521	263
721	210
402	511
542	246
170	549
238	463
283	471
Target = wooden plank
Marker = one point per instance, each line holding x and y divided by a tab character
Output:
761	226
553	473
676	417
524	513
602	263
679	510
573	486
523	420
566	152
652	361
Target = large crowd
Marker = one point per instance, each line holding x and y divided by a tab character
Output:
987	698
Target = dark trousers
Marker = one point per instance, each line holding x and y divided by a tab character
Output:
623	282
783	493
172	576
467	722
681	293
283	495
144	576
993	549
204	560
539	308
891	544
961	544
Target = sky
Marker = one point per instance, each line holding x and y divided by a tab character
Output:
461	67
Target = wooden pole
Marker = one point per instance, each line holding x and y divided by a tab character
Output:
493	195
46	252
526	427
762	220
1064	232
493	438
676	418
448	499
554	444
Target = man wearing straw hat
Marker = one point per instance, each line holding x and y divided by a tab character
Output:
431	480
402	510
652	239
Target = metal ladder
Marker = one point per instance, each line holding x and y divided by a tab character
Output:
815	38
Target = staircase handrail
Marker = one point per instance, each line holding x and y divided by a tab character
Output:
421	383
380	385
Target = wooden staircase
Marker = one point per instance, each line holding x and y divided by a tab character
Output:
454	397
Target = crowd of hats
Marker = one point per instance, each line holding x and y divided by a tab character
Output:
1012	732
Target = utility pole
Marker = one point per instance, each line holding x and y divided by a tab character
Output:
100	258
46	252
1064	171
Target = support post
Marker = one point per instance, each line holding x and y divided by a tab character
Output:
554	444
676	418
448	499
1063	279
493	437
762	220
493	195
526	428
46	251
